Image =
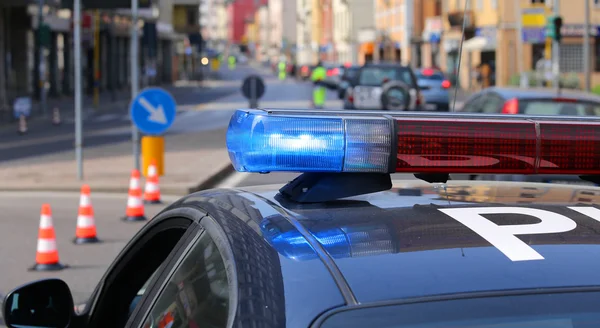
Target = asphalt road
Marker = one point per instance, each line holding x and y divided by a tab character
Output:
113	125
19	231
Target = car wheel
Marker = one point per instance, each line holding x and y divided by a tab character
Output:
395	96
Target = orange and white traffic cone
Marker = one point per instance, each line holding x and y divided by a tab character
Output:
135	204
46	258
85	233
152	189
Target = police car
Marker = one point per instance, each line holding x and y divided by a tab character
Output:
345	246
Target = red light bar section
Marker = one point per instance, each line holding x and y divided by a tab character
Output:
497	146
570	148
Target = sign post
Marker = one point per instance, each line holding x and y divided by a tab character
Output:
253	88
135	135
153	112
77	63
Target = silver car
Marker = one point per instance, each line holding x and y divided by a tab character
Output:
371	83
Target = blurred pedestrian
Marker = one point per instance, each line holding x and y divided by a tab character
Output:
319	91
231	60
282	70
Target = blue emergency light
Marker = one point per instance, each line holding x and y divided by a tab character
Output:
259	142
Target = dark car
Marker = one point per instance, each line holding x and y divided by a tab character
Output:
347	80
343	245
306	71
533	101
384	86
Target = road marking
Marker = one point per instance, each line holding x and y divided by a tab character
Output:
233	180
107	117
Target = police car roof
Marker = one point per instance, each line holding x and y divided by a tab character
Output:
421	240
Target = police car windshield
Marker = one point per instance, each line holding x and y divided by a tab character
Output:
556	310
376	76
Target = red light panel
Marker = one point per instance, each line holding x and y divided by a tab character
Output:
497	146
570	148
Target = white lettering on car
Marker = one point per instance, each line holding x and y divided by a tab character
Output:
503	237
592	212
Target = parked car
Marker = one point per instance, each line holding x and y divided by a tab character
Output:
533	101
306	71
347	80
334	72
387	86
435	88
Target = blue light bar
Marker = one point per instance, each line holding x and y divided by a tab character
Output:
260	142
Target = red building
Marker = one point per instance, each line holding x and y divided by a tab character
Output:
326	41
238	12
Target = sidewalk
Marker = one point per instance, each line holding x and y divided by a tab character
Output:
192	162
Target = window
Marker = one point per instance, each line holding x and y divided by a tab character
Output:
494	4
538	1
571	58
474	105
197	294
548	107
375	76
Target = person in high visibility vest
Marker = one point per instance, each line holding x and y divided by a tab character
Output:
282	72
231	62
319	91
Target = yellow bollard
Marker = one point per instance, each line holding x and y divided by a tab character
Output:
153	147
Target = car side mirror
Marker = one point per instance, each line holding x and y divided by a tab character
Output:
44	303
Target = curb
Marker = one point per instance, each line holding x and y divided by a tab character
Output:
208	183
214	180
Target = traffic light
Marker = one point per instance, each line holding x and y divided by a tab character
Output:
553	27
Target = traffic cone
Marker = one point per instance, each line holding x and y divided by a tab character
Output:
46	258
56	116
85	233
152	189
135	204
22	124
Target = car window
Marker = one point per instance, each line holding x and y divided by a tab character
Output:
491	104
375	76
560	310
474	104
350	73
548	107
197	293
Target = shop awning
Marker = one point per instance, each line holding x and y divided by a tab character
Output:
367	48
479	43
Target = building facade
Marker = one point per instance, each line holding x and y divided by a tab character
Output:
305	49
354	23
238	11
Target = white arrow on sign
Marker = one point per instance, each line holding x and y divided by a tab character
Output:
157	114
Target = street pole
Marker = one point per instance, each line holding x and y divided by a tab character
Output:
96	58
519	37
556	50
77	64
134	80
586	47
42	63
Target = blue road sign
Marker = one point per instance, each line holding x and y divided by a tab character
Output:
153	111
